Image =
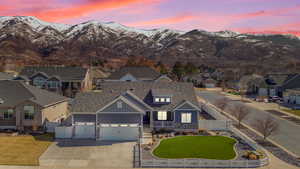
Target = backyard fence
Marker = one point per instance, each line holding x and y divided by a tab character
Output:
199	163
213	112
215	124
63	132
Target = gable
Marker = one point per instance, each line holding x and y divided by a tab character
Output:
39	77
128	77
186	106
113	108
163	78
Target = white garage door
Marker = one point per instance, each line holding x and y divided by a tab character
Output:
119	133
85	131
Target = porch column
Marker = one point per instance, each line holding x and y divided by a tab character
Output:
151	120
141	127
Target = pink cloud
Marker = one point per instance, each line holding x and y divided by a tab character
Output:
164	21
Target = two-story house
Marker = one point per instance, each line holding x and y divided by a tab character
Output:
23	106
122	109
62	80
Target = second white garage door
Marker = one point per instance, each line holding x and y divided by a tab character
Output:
119	133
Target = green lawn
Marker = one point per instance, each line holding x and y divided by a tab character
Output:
295	112
208	147
23	150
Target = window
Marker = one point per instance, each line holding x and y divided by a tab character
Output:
162	100
186	118
39	81
28	112
168	100
8	114
119	105
52	84
157	100
161	115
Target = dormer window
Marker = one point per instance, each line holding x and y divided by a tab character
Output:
168	100
157	100
119	105
162	100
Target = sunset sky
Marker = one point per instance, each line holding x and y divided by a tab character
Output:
269	16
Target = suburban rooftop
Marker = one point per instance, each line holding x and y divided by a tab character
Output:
15	92
60	72
93	101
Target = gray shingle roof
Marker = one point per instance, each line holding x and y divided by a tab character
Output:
161	92
93	101
6	76
64	73
16	92
279	78
138	72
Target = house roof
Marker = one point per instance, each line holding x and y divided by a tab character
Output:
64	73
278	79
93	101
139	72
292	83
161	92
16	92
6	76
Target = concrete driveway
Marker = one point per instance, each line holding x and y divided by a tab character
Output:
88	154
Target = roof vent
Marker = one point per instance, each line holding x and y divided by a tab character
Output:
1	101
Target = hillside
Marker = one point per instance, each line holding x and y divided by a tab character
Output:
28	40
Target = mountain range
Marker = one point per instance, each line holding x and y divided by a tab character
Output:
28	40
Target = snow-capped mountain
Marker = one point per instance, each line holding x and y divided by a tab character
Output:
36	41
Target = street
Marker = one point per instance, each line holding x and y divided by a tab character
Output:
288	135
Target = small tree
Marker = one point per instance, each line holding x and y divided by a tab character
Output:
266	126
240	112
222	103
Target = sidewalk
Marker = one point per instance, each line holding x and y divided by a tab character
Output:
277	160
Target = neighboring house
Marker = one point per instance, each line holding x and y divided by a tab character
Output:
292	96
6	76
123	109
134	73
23	106
210	83
253	84
278	83
62	80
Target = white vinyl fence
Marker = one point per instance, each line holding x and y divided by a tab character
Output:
63	132
50	126
199	163
213	112
215	124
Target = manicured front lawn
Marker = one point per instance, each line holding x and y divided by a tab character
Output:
207	147
23	150
295	112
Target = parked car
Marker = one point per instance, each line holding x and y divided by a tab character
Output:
275	99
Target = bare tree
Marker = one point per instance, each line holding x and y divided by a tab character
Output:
266	126
222	103
240	112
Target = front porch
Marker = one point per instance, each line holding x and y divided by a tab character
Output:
8	123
